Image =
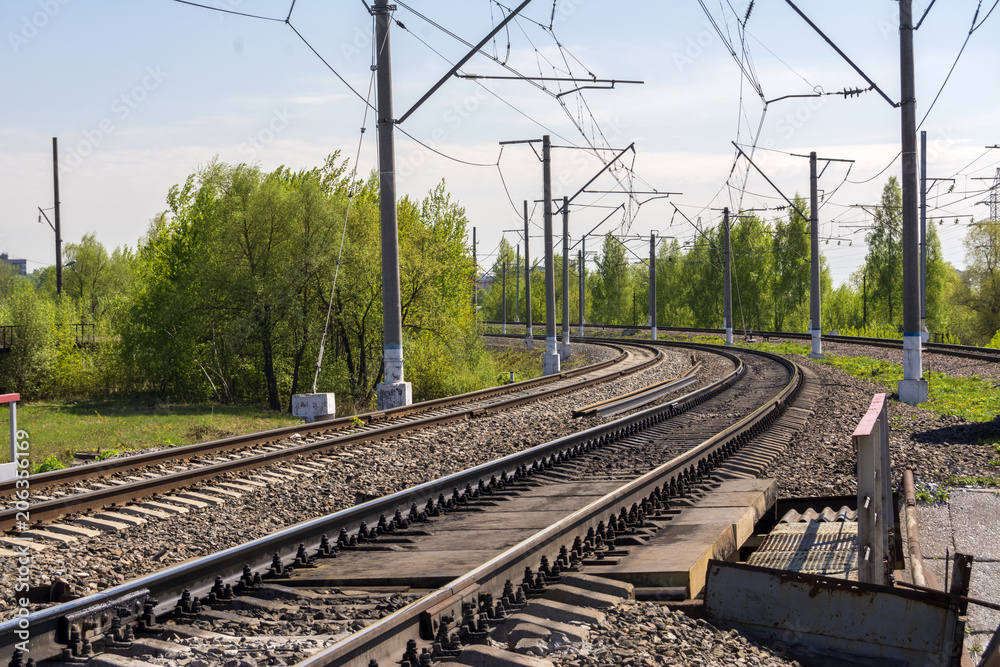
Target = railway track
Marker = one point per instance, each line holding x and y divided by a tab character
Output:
961	351
124	480
623	476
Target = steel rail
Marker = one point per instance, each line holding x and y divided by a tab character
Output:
384	641
111	466
50	510
49	627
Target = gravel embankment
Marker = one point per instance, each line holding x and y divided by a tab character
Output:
376	469
820	459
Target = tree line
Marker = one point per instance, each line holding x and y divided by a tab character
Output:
226	296
770	264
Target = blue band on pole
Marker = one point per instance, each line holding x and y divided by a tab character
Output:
910	333
392	347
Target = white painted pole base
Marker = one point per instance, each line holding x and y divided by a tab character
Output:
529	340
912	388
912	392
565	349
393	394
817	344
729	335
550	360
654	333
313	407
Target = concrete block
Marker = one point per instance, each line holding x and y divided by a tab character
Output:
527	631
619	589
101	524
912	392
394	394
550	364
581	597
74	531
564	613
118	517
487	656
312	407
574	633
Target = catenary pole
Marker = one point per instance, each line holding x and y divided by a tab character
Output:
912	388
55	188
579	268
564	349
550	360
528	336
393	392
924	334
475	273
504	298
652	283
517	287
815	321
727	293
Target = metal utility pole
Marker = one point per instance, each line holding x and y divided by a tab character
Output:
727	293
517	287
475	274
58	229
864	302
564	349
504	297
924	334
815	321
912	388
393	391
652	283
550	360
579	268
528	336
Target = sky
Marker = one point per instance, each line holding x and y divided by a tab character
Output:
143	93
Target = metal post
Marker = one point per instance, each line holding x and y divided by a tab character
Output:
864	302
528	336
580	269
815	321
504	297
475	274
517	287
652	283
393	391
550	360
924	334
727	293
13	431
55	187
912	388
564	349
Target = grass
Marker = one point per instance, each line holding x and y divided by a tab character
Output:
61	428
971	398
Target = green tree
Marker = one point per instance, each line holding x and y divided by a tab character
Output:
792	269
611	286
884	262
981	294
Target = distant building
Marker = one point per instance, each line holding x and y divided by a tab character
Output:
20	265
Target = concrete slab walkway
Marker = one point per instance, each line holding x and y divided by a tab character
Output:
968	523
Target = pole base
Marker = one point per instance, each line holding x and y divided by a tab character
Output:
393	394
550	363
529	342
816	355
565	349
912	392
313	407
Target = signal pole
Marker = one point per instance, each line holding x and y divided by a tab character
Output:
727	293
550	360
529	339
912	388
564	349
815	321
393	391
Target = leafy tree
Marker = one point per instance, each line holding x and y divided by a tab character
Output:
752	268
982	278
884	262
792	268
671	284
611	284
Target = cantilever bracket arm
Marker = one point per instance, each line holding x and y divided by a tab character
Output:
770	182
468	56
630	147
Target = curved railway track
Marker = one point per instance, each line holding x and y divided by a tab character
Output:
242	453
962	351
644	461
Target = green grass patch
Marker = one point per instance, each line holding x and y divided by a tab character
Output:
974	481
787	347
971	398
57	430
